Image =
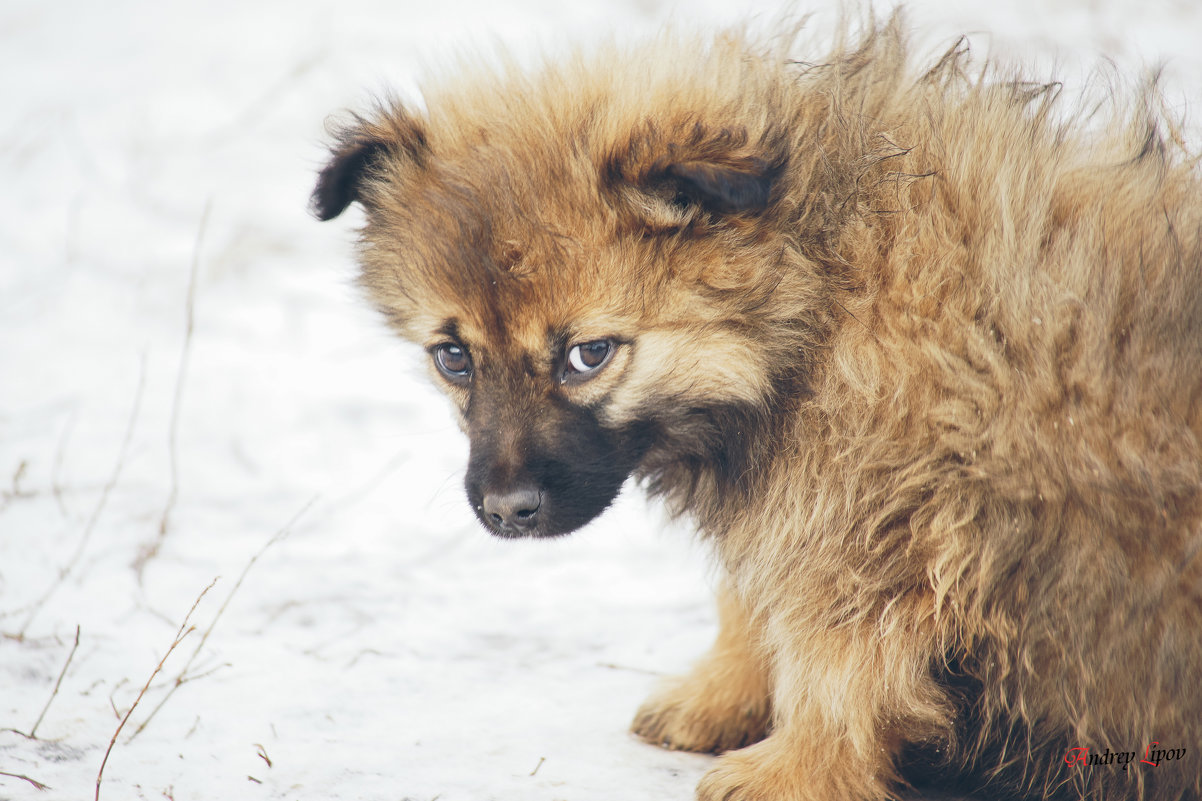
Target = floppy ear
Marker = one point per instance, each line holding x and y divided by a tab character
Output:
720	171
360	152
721	188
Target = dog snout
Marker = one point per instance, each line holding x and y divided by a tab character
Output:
513	508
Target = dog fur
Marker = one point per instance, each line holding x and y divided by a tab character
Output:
919	349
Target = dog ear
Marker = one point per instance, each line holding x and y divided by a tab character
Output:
360	152
722	188
721	172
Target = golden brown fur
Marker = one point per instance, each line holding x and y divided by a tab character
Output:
920	353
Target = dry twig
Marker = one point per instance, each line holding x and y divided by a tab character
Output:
183	677
59	455
150	551
184	631
100	504
37	784
17	491
33	733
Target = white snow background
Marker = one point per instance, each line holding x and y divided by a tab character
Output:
364	638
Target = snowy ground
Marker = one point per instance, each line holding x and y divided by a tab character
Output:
380	646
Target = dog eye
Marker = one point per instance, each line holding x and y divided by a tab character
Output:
453	362
587	358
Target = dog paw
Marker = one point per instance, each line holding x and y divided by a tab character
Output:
754	774
684	717
790	768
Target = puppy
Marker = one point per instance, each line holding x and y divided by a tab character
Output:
920	353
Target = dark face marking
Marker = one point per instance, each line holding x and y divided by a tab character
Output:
539	465
470	233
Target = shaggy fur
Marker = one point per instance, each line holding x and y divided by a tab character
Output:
920	350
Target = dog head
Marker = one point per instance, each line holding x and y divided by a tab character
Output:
595	267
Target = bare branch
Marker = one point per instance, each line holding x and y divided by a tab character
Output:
56	486
150	551
37	784
33	733
100	504
184	677
184	631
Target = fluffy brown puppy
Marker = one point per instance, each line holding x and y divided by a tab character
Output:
920	352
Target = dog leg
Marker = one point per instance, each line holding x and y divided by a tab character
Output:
723	703
842	714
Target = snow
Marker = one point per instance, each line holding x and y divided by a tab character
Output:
364	639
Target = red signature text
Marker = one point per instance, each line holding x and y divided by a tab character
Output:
1152	756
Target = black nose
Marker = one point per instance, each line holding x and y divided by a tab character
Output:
513	509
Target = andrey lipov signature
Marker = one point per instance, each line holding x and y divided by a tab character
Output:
1125	758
